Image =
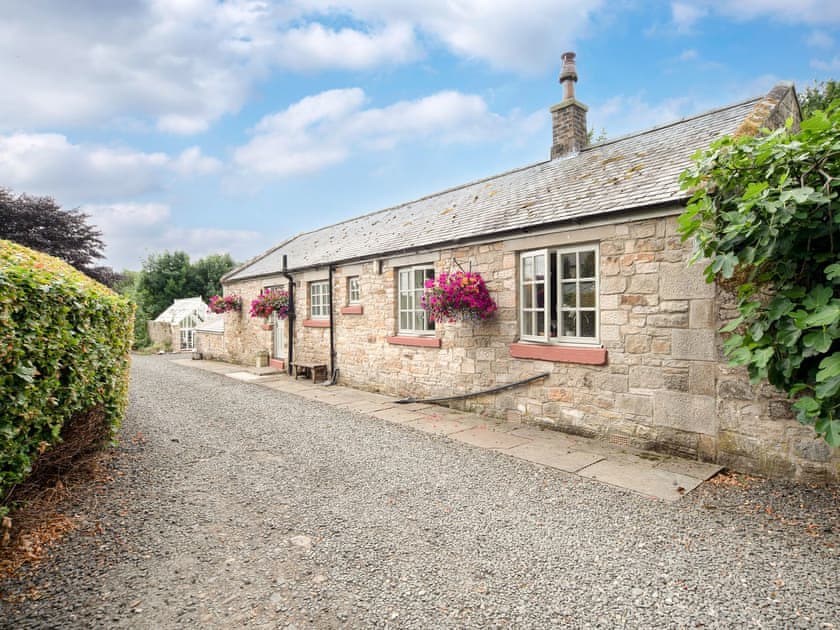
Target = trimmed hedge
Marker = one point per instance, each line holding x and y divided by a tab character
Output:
64	351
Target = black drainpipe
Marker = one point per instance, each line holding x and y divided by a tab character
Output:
333	369
291	343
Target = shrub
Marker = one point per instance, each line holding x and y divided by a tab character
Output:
64	351
765	212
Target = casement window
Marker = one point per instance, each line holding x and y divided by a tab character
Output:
353	293
319	300
558	291
413	320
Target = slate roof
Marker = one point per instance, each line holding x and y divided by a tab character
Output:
179	309
632	172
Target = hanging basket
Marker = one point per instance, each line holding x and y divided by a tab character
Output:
459	296
270	301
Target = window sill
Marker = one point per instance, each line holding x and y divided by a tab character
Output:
560	354
316	323
423	342
354	309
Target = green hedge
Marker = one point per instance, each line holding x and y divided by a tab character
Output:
64	350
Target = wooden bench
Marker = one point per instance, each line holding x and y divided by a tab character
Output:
301	368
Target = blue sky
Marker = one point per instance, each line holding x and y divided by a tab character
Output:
212	126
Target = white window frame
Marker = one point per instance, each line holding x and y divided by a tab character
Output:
354	295
412	295
319	299
529	312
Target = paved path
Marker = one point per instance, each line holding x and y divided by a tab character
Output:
232	504
649	474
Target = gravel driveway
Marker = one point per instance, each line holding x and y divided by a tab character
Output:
234	505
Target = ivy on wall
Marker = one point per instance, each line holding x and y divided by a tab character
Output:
765	213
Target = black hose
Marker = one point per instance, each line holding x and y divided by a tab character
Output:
492	390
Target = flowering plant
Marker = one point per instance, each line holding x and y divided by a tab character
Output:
219	304
460	295
270	301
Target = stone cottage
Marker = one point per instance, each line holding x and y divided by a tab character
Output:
593	287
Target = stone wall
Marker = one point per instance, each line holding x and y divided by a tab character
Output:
211	345
665	384
164	334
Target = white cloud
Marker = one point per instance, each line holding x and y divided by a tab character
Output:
182	64
830	65
49	164
327	128
192	161
631	113
132	231
313	47
819	39
685	16
504	33
689	55
815	12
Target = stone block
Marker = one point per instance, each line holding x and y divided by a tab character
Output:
615	318
674	306
698	345
686	412
643	230
613	284
680	282
646	283
661	345
701	378
815	450
610	382
559	394
644	377
702	314
668	320
636	404
637	344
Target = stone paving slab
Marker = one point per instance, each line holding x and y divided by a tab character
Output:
366	406
646	480
395	414
650	474
699	470
554	455
487	438
440	425
243	376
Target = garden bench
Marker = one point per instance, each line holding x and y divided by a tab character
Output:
302	368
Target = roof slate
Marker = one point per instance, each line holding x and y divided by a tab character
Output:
635	171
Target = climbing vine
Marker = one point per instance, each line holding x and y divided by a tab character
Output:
765	213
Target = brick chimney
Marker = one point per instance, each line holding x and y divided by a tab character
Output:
568	118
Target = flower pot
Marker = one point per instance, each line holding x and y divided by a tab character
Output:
268	326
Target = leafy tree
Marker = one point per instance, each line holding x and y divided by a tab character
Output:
818	96
169	276
207	271
765	212
128	286
41	224
164	278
